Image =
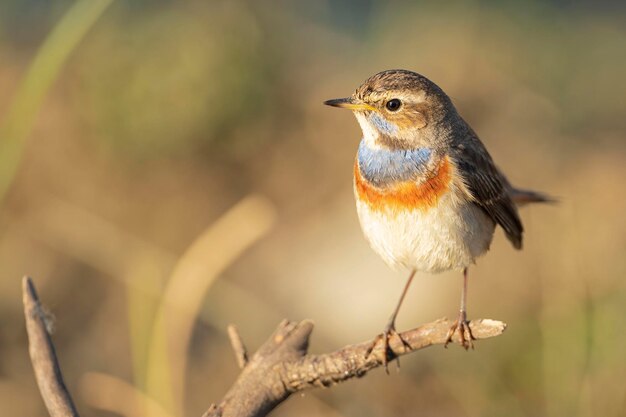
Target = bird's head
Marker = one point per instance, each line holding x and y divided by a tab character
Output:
398	109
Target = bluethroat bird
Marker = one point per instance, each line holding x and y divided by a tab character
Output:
428	194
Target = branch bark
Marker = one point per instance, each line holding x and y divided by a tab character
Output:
43	356
282	366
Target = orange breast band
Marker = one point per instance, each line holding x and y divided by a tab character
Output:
407	194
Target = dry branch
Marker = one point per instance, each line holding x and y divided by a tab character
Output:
278	369
282	366
43	357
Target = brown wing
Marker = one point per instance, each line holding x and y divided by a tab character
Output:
488	186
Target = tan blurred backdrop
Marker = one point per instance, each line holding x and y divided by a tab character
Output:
167	168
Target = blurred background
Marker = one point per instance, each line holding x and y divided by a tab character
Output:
167	168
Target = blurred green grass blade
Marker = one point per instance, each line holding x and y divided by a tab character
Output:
220	245
43	71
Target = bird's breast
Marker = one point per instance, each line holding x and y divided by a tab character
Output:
422	191
426	223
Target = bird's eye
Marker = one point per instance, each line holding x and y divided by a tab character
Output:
393	104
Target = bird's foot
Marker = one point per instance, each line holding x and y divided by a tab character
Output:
388	354
461	326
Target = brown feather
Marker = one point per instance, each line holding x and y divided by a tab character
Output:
487	185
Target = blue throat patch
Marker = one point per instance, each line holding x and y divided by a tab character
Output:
382	124
383	167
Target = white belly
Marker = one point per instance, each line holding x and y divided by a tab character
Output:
448	236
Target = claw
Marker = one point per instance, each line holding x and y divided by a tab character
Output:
461	326
388	332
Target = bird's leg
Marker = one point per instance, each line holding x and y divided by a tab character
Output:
390	328
461	325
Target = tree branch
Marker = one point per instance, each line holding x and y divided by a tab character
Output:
278	369
43	357
282	366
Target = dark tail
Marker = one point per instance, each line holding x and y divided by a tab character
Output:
523	197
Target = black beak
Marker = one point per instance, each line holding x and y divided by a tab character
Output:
339	102
349	103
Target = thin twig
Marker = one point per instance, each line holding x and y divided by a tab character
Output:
241	354
43	357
